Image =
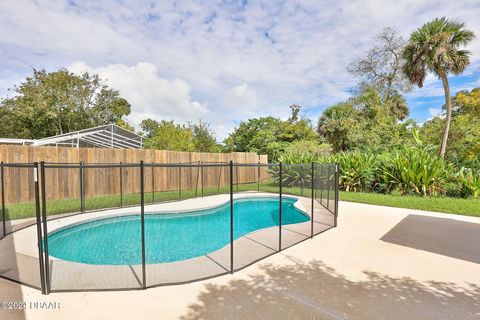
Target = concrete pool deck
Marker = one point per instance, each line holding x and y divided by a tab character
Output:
379	263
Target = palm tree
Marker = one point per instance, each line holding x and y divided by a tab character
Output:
435	47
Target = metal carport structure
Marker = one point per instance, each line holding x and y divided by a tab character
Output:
105	136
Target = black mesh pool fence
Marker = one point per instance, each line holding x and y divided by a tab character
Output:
121	226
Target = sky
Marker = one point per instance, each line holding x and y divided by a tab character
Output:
221	61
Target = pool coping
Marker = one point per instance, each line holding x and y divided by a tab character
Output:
106	213
23	238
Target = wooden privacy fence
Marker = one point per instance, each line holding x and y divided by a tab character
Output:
64	183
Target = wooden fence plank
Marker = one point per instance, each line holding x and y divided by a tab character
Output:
64	183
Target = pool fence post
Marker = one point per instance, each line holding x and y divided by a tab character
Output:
153	183
258	176
45	230
280	208
321	185
231	216
328	187
3	200
121	185
337	174
82	188
198	177
219	179
201	169
313	196
236	175
39	227
142	220
180	182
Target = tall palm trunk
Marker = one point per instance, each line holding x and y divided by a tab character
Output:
448	104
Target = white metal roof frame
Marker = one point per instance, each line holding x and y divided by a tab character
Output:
24	142
105	136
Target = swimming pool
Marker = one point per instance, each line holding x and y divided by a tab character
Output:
168	237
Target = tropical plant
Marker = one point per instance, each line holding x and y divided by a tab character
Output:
308	146
338	125
413	170
356	170
297	175
296	169
299	157
435	47
470	181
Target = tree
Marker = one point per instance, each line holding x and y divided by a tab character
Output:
260	135
167	135
381	67
149	127
435	47
464	135
398	106
295	109
466	102
338	125
364	121
203	137
270	135
125	125
47	104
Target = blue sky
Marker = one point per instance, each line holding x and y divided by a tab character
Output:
222	61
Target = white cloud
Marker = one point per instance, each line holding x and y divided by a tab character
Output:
237	60
434	112
7	81
241	96
434	88
149	94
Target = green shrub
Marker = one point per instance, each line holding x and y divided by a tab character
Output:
356	170
296	169
298	157
413	170
454	189
308	146
470	181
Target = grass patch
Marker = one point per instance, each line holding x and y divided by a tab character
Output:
468	207
55	207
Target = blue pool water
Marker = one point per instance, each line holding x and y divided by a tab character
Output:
168	237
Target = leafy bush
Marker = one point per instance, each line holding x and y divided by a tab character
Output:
297	157
470	181
297	175
308	146
413	170
454	189
416	170
296	170
356	170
